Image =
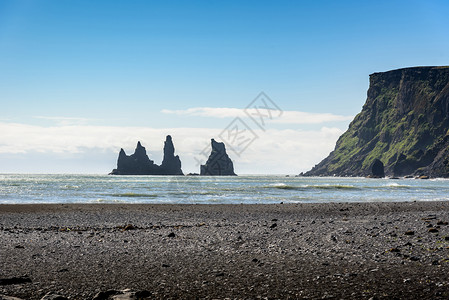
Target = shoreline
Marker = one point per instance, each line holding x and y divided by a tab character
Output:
215	251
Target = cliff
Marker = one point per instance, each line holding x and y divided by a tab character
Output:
140	164
218	163
404	123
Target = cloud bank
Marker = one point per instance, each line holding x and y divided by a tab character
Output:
274	151
287	117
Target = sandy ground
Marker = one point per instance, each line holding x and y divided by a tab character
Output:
283	251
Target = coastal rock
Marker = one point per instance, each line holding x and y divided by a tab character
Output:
140	164
404	123
171	164
377	169
218	163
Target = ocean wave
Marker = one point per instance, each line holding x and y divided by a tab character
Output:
397	185
133	195
70	187
284	186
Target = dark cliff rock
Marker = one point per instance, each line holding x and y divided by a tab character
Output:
377	169
171	164
218	163
404	123
140	164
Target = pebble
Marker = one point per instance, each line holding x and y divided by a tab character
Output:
171	235
410	232
433	230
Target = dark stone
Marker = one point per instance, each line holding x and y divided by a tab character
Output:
377	169
140	164
171	235
274	225
15	280
410	232
433	230
218	163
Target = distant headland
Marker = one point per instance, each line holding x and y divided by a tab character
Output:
404	125
218	163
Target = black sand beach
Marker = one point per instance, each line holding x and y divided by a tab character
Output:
284	251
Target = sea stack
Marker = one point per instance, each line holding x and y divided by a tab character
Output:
404	123
171	164
140	164
218	163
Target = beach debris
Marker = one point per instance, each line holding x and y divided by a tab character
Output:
129	227
15	280
4	297
429	217
51	296
106	295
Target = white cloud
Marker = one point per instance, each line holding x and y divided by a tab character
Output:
287	117
273	151
65	121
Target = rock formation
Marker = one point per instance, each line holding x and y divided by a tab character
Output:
139	163
218	162
404	123
171	164
377	169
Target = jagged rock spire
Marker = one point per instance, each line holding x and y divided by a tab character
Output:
218	162
140	164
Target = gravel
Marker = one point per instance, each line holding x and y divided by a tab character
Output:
296	251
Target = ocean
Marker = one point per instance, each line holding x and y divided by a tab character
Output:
20	188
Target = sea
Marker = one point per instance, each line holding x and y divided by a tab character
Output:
251	189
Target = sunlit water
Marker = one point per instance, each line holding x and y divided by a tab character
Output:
195	189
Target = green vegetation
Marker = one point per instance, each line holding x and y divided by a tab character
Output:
399	117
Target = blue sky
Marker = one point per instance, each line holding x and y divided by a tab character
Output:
99	75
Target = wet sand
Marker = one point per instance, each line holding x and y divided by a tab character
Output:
296	251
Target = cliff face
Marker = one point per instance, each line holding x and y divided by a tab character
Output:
218	163
139	163
404	123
